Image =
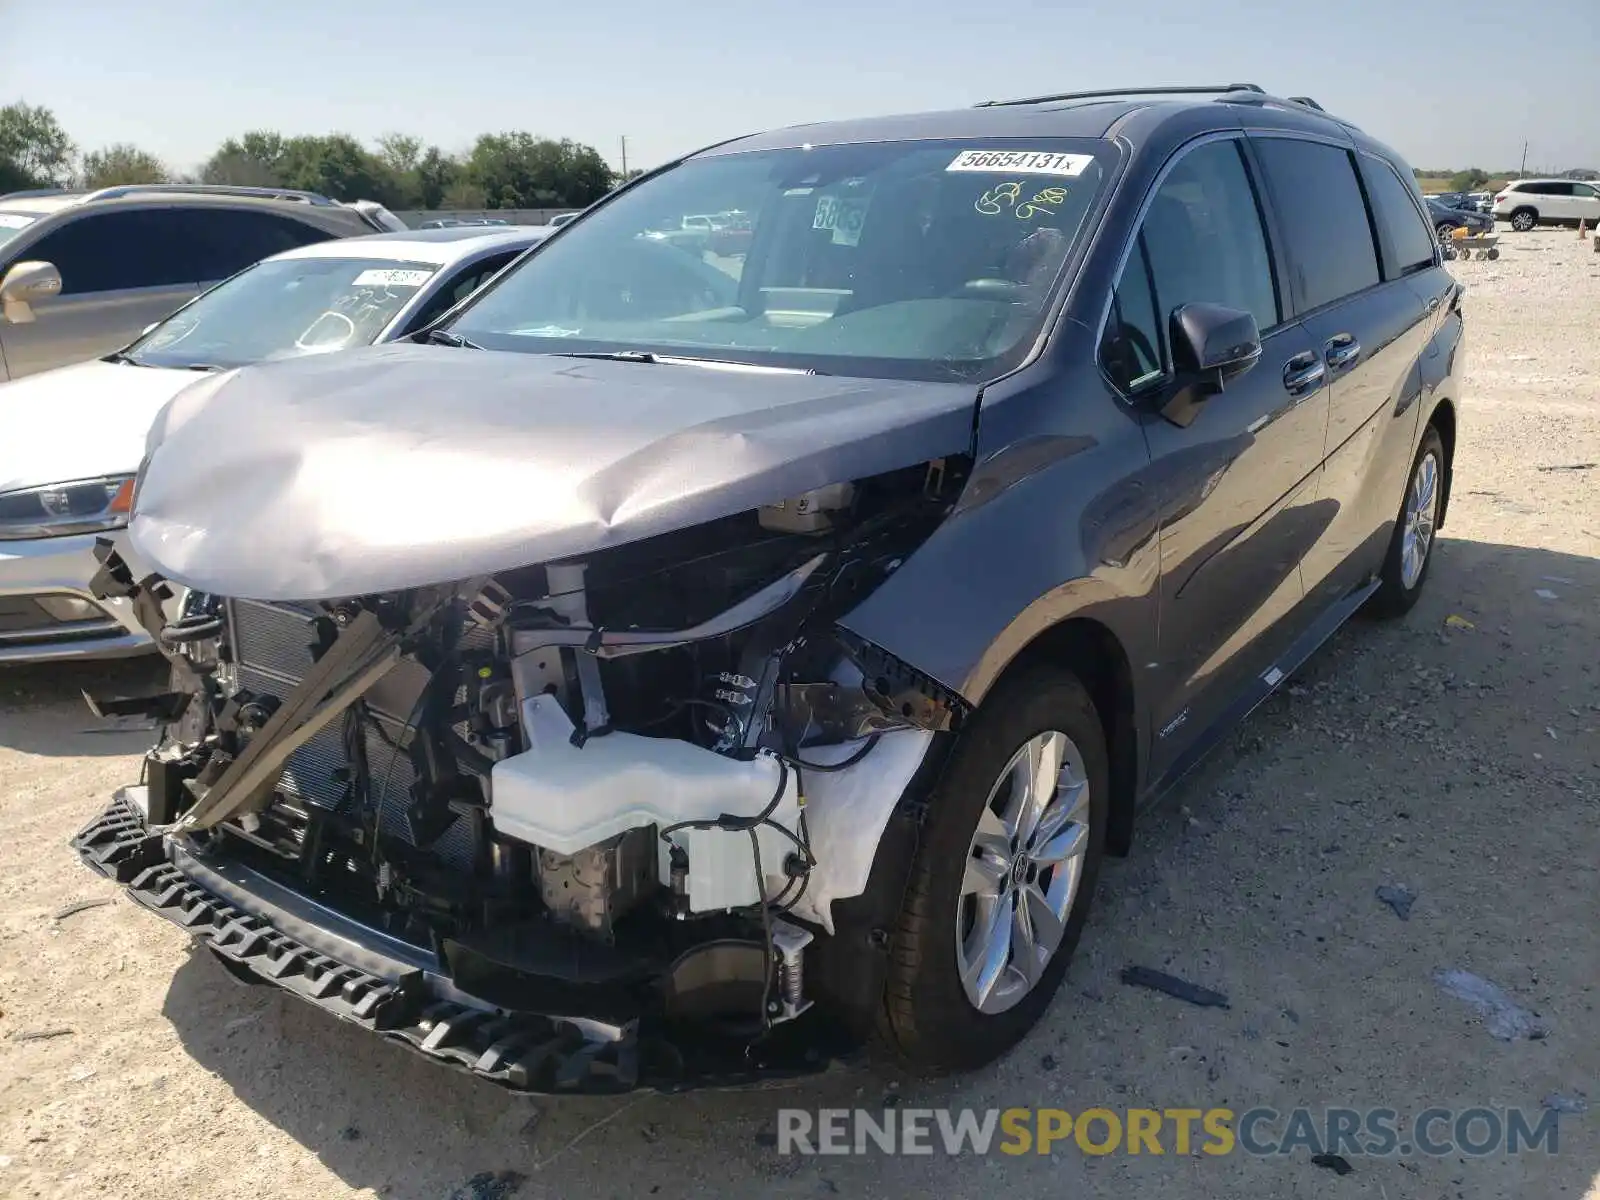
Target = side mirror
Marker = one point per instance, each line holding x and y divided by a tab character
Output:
1214	344
1211	344
24	284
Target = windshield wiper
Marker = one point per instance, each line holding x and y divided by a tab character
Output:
683	360
204	367
443	337
122	356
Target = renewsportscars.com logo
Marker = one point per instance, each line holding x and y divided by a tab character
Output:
1351	1132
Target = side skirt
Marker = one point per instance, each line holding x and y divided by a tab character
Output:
1262	686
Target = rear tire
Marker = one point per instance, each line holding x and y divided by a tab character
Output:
1410	556
964	883
1524	219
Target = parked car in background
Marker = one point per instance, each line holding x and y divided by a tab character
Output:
1445	219
71	438
457	222
1034	446
1528	203
1449	199
1482	201
81	273
733	237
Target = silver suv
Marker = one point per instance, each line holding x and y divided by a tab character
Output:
81	274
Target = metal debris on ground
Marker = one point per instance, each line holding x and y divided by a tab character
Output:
1399	898
78	906
1544	594
40	1035
1181	989
1561	1103
1504	1017
489	1185
1337	1163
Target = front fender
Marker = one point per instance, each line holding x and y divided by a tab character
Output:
1052	525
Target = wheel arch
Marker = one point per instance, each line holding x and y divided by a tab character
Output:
1443	418
1093	652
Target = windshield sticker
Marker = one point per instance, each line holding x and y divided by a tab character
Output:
1005	197
14	220
392	277
843	216
1025	162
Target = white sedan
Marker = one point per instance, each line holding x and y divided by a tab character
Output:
71	439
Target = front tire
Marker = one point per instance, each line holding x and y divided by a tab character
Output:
1405	567
1004	876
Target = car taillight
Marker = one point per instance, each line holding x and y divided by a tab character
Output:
1501	197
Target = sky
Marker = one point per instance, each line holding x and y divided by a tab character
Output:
1448	83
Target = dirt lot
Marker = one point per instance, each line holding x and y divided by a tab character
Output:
1460	762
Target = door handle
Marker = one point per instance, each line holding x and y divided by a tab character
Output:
1303	374
1342	350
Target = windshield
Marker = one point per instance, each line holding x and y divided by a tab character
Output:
918	260
12	224
284	308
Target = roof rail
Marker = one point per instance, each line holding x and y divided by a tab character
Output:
1288	103
30	193
1107	93
211	189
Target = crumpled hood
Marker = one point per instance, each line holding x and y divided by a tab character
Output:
401	466
81	421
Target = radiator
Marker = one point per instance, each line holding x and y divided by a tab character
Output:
272	646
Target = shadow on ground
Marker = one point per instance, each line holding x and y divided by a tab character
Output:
42	709
1528	624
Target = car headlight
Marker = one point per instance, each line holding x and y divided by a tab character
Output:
58	509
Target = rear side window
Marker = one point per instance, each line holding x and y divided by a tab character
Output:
1324	218
1202	241
114	251
225	241
1407	239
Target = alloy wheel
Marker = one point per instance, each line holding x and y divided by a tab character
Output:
1023	870
1422	511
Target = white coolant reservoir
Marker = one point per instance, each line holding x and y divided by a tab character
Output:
564	798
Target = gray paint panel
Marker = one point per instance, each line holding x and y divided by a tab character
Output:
400	466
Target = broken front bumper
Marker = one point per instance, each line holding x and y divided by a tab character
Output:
266	933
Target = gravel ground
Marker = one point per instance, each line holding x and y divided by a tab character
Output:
1461	762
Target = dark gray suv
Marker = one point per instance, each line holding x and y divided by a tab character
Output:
678	667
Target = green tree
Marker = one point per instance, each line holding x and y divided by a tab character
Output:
1470	180
518	170
121	163
437	173
462	196
254	160
35	152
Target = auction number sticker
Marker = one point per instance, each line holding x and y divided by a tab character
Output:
392	277
842	216
1022	162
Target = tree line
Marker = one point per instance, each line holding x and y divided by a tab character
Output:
501	170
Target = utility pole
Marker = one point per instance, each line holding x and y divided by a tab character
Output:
625	157
1523	172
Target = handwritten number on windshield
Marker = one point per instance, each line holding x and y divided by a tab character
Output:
1009	196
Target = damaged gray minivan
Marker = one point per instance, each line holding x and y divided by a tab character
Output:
681	667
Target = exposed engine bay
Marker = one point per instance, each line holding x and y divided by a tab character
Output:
626	788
